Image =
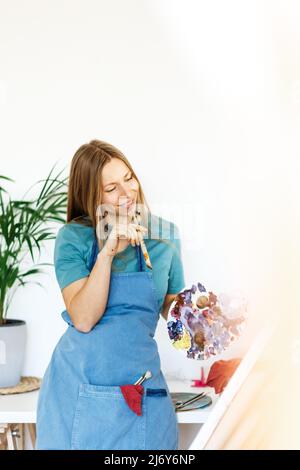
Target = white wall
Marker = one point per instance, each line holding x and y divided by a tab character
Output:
194	93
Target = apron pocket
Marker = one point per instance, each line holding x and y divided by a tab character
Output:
161	420
104	421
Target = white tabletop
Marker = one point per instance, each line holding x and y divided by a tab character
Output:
21	407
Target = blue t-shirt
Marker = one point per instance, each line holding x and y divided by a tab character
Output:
73	249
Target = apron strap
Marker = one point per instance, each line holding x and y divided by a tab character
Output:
138	250
94	254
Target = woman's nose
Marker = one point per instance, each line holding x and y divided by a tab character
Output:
124	198
125	192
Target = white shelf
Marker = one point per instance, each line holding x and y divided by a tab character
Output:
21	407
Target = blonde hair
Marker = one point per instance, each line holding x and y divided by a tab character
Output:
84	189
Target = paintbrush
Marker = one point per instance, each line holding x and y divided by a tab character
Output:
144	377
143	246
182	404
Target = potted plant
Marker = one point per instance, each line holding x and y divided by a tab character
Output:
24	225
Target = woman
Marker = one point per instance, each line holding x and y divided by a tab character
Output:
113	301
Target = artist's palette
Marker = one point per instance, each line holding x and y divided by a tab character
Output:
202	324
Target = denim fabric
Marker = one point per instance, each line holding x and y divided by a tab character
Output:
80	403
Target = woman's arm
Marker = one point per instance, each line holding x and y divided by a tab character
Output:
85	300
167	302
176	280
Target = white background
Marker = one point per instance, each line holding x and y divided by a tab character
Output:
202	97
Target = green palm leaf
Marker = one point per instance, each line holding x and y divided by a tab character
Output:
25	224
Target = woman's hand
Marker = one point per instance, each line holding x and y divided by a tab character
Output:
125	231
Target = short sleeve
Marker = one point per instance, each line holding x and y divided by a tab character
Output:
69	261
176	280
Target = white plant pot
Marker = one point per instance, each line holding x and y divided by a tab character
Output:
12	351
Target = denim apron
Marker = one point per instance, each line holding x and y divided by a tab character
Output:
80	404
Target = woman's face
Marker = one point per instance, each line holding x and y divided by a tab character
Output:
119	187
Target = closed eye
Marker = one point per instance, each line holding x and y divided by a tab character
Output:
109	191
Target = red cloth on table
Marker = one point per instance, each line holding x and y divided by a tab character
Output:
133	395
220	373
